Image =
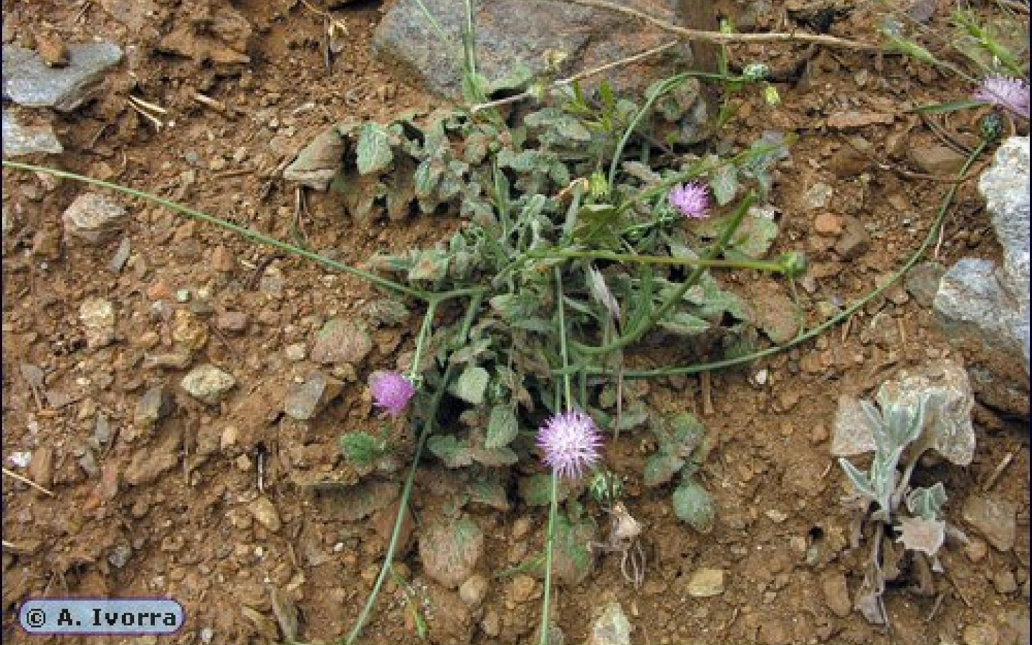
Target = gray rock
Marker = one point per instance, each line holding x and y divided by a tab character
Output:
817	196
305	400
207	383
22	139
94	218
611	627
450	551
947	413
319	162
985	308
514	34
854	240
993	519
704	583
119	555
922	282
98	321
155	404
341	341
30	82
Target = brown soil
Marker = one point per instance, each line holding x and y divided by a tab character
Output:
187	531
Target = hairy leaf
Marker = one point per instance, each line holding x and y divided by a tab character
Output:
693	504
660	468
920	534
361	449
455	453
502	427
374	149
471	385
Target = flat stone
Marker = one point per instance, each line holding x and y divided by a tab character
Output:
341	341
854	240
704	583
29	81
155	404
208	383
836	593
777	316
264	511
922	282
93	218
993	519
936	160
98	320
20	140
232	321
611	626
827	224
305	400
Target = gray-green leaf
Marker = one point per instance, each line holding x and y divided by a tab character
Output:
374	150
453	452
501	427
693	504
471	385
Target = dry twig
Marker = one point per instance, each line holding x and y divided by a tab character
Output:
29	482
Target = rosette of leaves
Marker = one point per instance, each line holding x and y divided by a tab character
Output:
682	447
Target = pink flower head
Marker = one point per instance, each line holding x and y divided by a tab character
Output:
570	442
391	391
1011	94
692	199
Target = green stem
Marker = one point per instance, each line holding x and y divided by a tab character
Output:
229	226
546	602
759	265
563	351
406	492
656	315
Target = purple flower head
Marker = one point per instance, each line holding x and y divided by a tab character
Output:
570	442
391	391
692	199
1011	94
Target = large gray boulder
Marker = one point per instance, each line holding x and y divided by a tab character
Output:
984	308
529	33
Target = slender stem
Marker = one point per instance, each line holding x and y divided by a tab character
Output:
563	351
657	314
553	514
759	265
229	226
406	492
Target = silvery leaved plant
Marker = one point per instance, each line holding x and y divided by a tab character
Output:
898	427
